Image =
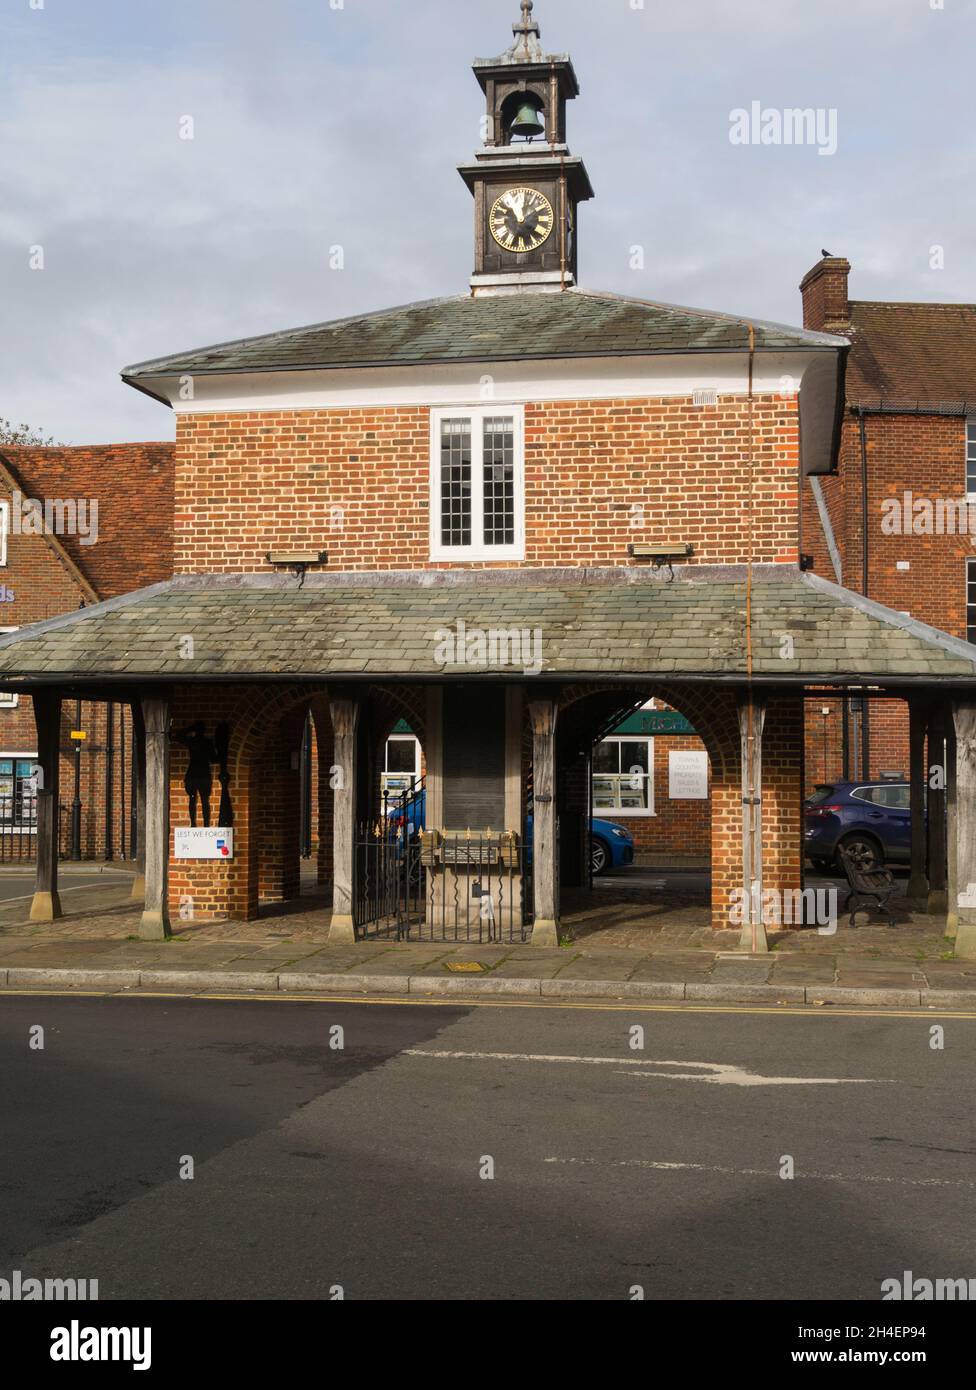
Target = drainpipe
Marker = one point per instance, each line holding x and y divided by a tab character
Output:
865	731
76	803
109	778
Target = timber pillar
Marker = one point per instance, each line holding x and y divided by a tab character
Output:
345	728
545	857
963	829
752	721
155	924
46	904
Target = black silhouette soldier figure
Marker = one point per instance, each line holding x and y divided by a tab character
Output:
199	776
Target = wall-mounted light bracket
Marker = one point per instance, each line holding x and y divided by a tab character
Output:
298	562
661	555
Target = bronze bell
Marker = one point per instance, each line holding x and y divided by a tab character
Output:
528	122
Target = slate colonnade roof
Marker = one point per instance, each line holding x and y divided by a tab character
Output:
610	624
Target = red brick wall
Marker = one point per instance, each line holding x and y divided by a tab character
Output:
923	455
678	829
37	583
357	483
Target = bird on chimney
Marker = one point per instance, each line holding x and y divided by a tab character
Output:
827	255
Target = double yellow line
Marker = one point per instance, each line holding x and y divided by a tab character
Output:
459	1001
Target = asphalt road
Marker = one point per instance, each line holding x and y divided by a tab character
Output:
17	887
366	1168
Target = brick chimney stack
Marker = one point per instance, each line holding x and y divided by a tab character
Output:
826	307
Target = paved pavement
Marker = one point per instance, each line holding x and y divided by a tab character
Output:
629	939
486	1153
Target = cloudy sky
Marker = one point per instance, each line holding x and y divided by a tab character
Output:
322	123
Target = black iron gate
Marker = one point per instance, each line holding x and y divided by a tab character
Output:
465	888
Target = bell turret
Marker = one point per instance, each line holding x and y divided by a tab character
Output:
525	182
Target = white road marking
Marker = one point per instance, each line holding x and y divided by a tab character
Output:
719	1073
758	1172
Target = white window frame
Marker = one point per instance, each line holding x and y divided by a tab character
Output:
8	700
627	812
4	532
970	457
477	550
970	576
386	774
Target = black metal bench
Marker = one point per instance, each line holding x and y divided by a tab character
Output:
868	888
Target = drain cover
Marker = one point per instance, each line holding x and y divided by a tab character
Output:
465	967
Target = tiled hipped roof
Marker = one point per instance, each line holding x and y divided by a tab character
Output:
592	623
912	354
133	484
576	323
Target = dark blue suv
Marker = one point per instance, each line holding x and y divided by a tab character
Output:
870	820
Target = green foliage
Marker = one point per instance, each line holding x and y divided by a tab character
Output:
23	434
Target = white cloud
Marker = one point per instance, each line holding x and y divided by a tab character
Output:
316	127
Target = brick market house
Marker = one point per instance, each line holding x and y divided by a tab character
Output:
896	521
68	541
506	519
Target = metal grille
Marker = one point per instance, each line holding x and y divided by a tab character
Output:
477	895
18	829
498	469
456	482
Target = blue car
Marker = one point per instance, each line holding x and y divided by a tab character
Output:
611	846
871	821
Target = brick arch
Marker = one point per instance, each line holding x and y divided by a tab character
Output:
257	716
712	712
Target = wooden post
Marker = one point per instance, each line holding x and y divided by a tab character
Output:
46	904
155	925
918	883
345	724
139	762
545	868
938	900
752	721
964	828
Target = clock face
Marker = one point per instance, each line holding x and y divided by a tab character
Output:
521	219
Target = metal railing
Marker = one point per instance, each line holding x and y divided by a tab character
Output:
443	887
18	829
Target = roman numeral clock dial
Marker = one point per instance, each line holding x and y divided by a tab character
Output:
522	219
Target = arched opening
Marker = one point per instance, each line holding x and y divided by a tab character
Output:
649	781
523	118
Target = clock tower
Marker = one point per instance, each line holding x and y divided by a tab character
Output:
526	184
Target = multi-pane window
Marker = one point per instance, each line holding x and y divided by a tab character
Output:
18	792
498	472
456	482
401	769
971	599
477	484
623	776
971	456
